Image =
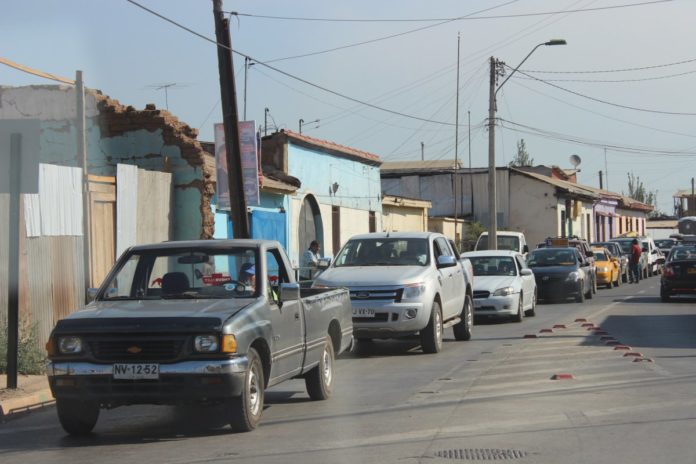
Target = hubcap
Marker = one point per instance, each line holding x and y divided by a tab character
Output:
328	371
438	328
469	315
254	392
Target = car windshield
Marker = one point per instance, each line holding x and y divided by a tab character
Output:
199	273
600	256
680	253
505	242
551	257
664	243
625	245
384	252
493	266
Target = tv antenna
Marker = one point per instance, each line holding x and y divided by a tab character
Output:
165	86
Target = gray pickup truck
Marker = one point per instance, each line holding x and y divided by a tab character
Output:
402	284
209	322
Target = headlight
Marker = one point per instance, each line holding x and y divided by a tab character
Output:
573	276
605	269
505	291
205	343
70	345
413	291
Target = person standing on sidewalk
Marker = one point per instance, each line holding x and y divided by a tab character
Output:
635	261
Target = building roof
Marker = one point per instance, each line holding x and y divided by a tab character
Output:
661	224
427	167
683	193
326	145
394	200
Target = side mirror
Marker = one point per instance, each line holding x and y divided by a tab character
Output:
661	260
525	249
590	254
92	294
323	263
526	272
446	261
289	291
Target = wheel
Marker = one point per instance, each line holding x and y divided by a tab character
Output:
246	409
462	330
618	281
320	380
532	312
431	335
580	298
664	295
518	317
77	417
650	270
594	285
624	276
592	289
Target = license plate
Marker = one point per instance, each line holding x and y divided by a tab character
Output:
136	371
691	270
363	312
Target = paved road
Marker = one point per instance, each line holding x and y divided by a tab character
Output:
395	404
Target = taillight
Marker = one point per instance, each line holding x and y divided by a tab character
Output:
668	271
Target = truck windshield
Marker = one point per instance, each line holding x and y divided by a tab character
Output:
201	273
384	252
505	242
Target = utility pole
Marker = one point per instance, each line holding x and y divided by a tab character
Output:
492	210
246	72
422	151
600	180
230	119
13	265
265	121
81	126
456	149
471	176
606	170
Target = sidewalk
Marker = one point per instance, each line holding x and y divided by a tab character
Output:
32	392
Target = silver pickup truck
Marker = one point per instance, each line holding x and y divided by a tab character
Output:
211	322
404	283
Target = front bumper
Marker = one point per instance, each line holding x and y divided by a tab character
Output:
502	306
604	278
182	382
559	289
390	319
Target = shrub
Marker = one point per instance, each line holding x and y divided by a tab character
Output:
31	355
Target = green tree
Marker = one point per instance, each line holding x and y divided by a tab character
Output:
637	191
522	158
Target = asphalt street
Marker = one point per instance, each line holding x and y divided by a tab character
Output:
491	397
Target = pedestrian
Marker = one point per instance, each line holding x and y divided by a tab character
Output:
310	261
634	264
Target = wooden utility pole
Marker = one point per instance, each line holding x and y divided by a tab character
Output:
601	184
456	151
81	125
230	120
13	265
492	210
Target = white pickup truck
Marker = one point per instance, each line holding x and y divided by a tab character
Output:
402	284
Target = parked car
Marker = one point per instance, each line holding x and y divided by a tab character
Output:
616	251
625	243
504	286
665	245
507	240
608	268
653	255
402	284
679	273
209	322
561	273
585	251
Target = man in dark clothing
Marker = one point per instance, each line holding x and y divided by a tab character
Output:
634	264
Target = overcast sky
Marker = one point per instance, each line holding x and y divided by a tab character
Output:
644	117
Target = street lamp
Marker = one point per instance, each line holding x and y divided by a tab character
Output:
492	207
303	123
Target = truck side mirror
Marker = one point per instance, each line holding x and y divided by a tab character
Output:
446	261
525	249
289	291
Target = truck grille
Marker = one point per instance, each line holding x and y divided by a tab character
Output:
137	349
377	295
481	294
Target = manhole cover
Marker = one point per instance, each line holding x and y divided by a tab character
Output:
481	454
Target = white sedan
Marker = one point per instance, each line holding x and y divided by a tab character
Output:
503	284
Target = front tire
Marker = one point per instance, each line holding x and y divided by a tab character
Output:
462	330
320	380
518	317
532	312
431	335
246	409
580	298
77	417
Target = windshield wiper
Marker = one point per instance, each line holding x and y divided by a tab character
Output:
179	296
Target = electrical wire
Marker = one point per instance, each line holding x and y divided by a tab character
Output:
598	71
599	100
385	20
654	78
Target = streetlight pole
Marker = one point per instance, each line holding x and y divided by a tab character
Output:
492	207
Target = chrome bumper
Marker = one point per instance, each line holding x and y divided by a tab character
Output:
217	367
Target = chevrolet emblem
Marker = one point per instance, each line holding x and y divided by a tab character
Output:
134	349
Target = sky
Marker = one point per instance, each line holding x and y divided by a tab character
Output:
384	75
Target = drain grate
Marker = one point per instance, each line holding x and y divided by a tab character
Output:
481	454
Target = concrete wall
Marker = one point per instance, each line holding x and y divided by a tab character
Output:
534	209
403	218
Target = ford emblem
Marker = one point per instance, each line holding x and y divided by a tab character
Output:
362	295
134	349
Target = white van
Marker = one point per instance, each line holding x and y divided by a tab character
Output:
507	240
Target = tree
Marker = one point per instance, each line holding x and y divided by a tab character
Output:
522	158
637	191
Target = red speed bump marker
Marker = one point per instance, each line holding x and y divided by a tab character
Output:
622	347
632	354
559	326
587	324
562	377
642	360
581	320
544	331
530	336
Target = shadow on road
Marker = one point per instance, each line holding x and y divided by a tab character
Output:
654	331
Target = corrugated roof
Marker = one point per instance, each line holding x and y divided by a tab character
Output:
570	187
420	165
333	147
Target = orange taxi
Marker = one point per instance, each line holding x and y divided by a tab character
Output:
608	268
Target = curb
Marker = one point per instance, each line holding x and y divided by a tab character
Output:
14	406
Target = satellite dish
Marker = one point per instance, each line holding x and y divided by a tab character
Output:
575	160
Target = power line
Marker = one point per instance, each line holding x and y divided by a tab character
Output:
413	20
634	108
654	78
600	71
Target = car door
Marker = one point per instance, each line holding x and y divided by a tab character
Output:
586	267
528	282
451	279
